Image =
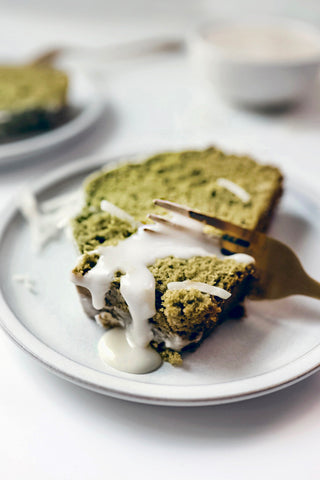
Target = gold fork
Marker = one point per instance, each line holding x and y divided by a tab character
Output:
279	271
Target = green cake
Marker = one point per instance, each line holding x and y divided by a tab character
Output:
185	313
189	178
31	99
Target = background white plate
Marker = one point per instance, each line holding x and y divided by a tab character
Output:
85	100
277	343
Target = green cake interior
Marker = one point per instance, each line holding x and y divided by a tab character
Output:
189	178
31	98
189	314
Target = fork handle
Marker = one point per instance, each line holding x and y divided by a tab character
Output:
311	288
122	51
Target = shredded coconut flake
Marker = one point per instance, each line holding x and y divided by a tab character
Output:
49	219
97	319
118	212
235	189
26	281
177	343
243	258
56	203
202	287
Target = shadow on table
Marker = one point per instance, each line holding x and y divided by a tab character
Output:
199	425
290	228
301	115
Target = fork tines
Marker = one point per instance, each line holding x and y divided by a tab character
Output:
223	225
165	221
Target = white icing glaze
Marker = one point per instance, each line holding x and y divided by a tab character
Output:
116	350
118	212
235	189
202	287
132	256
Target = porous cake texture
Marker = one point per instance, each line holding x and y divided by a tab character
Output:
189	178
183	317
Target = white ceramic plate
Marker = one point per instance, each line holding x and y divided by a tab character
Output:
277	344
86	104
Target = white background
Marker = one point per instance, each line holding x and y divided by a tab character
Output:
50	429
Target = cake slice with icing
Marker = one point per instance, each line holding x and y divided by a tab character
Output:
166	288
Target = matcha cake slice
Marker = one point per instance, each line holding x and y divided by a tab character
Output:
31	99
177	280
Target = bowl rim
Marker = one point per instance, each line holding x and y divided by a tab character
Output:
290	23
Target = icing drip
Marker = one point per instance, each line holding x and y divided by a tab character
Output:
116	350
132	257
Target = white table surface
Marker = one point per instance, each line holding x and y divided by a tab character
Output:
51	429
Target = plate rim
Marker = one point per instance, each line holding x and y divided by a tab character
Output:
127	388
23	150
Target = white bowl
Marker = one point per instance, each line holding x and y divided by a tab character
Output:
265	62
